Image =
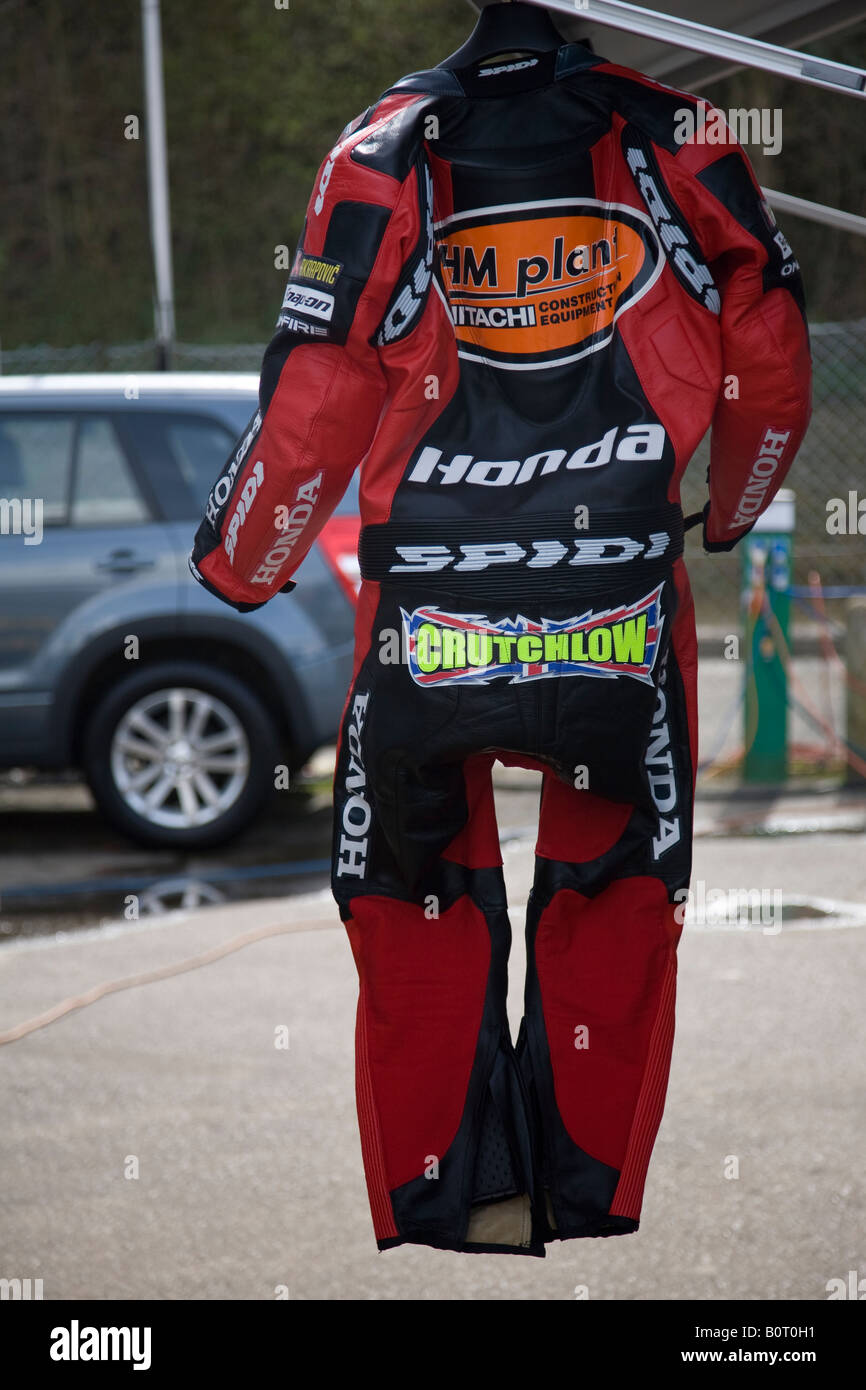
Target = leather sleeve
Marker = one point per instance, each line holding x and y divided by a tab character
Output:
322	386
764	404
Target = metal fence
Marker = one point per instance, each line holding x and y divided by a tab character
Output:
831	463
131	357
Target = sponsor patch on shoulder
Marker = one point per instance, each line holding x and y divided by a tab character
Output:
316	270
463	648
317	304
295	325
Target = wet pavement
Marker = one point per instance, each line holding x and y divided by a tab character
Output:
62	867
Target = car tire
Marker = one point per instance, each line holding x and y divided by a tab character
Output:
180	755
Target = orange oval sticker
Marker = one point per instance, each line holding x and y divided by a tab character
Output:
535	285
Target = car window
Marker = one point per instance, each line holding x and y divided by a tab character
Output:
105	492
200	447
36	461
74	463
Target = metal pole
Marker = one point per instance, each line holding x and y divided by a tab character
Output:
817	212
768	57
719	43
157	178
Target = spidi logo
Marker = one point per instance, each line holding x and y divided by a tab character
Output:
679	246
242	510
508	67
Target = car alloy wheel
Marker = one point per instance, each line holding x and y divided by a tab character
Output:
180	758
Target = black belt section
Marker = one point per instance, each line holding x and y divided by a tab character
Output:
528	553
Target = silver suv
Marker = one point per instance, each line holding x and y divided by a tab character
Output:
179	710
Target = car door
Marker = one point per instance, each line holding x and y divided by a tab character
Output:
79	525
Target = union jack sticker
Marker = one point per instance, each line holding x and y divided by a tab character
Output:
469	649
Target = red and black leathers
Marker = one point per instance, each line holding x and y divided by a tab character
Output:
519	302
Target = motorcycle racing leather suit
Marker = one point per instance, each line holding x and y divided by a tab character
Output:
518	303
